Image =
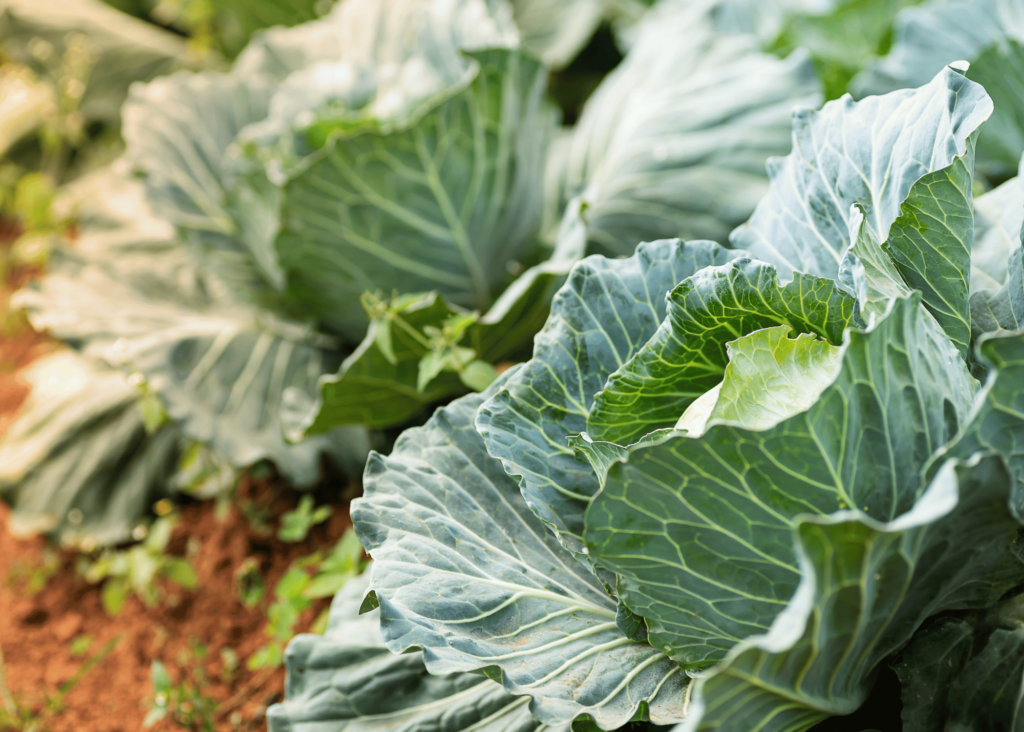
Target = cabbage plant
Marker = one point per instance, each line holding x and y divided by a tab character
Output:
730	484
364	215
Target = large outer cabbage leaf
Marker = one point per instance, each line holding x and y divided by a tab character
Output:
660	150
115	48
367	69
78	462
604	313
133	296
184	171
998	219
348	681
440	204
907	159
997	418
866	586
987	33
965	672
900	395
466	572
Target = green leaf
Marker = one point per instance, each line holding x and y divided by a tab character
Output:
159	534
772	375
995	422
478	375
346	555
114	595
868	271
183	171
660	151
986	33
866	587
441	203
687	355
224	371
249	583
269	656
295	524
78	462
378	387
965	672
465	571
1002	309
870	153
159	677
926	668
862	444
180	572
327	585
328	684
843	39
292	584
599	319
432	364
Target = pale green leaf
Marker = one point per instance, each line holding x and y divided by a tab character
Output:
556	30
660	151
862	444
998	219
997	417
687	355
440	203
78	462
773	374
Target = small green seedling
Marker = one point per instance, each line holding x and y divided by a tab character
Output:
30	577
80	645
184	702
137	569
249	583
295	525
306	580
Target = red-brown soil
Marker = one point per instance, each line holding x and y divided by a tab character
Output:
36	632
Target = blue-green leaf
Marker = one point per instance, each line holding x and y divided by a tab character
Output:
440	203
996	421
660	151
866	587
987	33
348	681
465	571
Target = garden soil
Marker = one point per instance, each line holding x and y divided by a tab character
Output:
110	686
